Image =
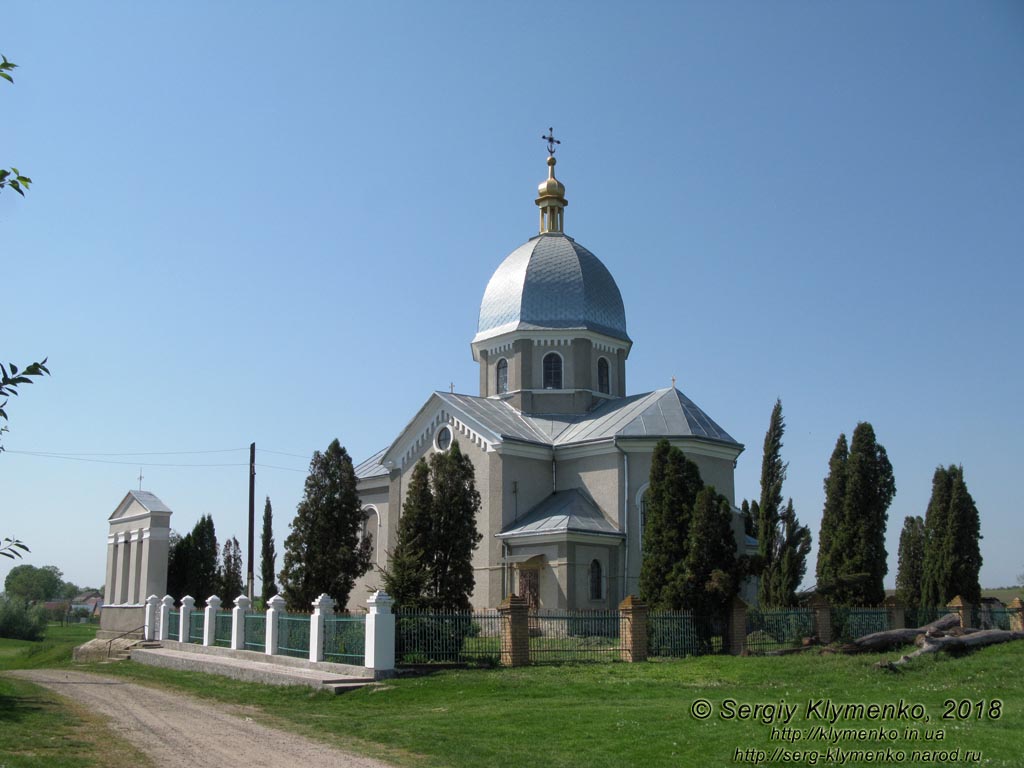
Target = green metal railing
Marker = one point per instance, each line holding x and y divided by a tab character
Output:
293	635
255	633
677	634
778	629
560	636
423	637
918	617
345	639
850	623
173	625
195	627
222	629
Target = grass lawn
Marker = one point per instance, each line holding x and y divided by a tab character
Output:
38	729
616	714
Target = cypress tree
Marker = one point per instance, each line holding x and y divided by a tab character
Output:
792	560
456	504
870	488
231	585
179	563
405	578
674	484
773	473
952	555
325	552
749	511
710	573
963	539
910	573
432	565
204	576
935	584
832	537
268	554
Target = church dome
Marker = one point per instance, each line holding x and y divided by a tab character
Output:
551	282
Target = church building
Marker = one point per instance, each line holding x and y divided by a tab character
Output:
562	452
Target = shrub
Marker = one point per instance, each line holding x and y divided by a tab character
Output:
18	621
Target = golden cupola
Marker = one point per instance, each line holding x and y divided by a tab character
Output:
551	199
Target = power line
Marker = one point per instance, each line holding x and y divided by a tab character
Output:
282	453
138	453
288	469
44	455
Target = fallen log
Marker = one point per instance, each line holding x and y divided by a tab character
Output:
953	643
894	638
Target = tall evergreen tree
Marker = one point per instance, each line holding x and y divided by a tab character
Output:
231	585
792	558
268	554
832	538
750	511
674	484
952	555
432	565
773	474
405	578
325	552
204	580
710	570
179	558
910	573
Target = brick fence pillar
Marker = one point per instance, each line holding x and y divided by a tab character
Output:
321	606
633	629
1015	610
965	609
380	633
822	619
151	616
515	632
896	613
737	626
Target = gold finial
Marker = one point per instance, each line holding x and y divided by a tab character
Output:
551	192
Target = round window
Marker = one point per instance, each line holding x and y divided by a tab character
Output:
444	439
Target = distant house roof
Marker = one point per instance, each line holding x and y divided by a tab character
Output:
372	466
562	512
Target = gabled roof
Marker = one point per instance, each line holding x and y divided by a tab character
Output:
662	413
372	466
562	512
148	501
498	417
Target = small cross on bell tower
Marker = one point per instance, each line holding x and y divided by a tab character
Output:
551	192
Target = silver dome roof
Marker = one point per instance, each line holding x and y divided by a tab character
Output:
551	282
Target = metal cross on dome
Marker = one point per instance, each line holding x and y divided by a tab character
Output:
551	140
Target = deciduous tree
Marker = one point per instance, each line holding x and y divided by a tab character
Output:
325	552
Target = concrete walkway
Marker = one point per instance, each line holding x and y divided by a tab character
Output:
255	667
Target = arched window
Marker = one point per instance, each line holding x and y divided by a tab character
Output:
502	371
371	526
595	580
552	371
603	381
642	504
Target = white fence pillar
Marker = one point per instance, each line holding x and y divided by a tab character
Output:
166	603
380	633
323	604
152	616
238	622
188	604
210	624
275	608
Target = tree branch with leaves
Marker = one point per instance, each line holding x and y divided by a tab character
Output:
12	177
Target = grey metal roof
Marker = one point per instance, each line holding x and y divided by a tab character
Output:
551	281
372	466
562	512
496	416
149	501
662	413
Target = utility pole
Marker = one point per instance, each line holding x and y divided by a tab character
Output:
252	506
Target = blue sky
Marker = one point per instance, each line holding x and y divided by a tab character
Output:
275	222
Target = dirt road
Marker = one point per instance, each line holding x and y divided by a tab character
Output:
178	730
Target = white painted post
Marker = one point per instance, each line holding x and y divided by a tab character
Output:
188	604
238	622
210	623
323	604
151	618
275	608
166	603
380	633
